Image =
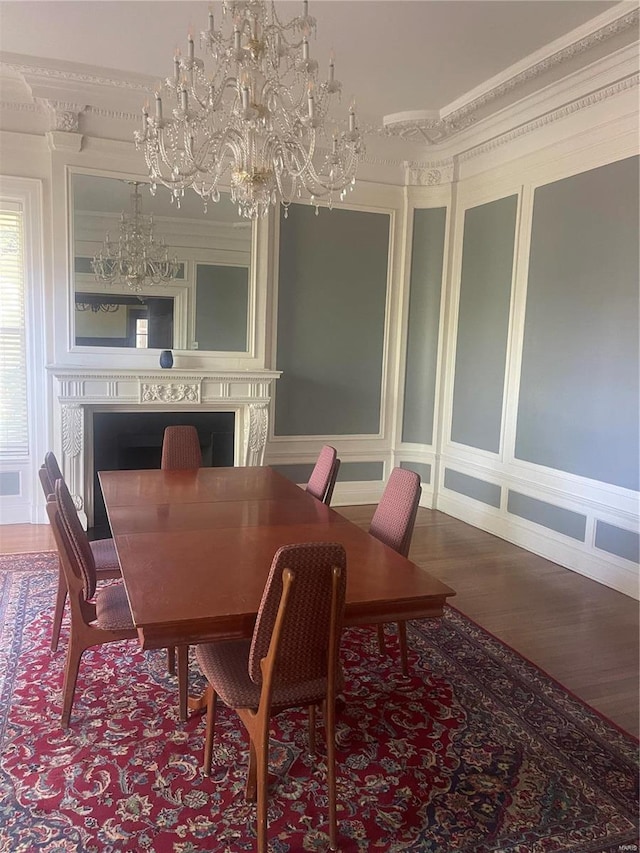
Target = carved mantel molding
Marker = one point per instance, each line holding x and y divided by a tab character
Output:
81	391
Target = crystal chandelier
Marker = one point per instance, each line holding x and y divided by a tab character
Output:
136	259
259	122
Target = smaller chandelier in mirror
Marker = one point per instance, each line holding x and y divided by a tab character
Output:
136	258
259	121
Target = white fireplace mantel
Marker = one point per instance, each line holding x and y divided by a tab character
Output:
81	391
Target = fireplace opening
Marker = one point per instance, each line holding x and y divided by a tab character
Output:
126	441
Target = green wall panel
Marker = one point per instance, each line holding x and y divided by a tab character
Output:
427	256
222	296
483	323
331	310
579	389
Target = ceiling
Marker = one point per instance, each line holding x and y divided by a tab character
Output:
391	55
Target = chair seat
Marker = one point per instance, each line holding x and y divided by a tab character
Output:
112	609
227	666
106	559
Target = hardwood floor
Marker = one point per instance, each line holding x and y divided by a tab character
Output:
580	632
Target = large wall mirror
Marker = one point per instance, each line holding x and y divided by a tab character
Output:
202	300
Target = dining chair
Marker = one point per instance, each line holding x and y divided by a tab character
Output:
181	448
324	474
105	619
104	552
291	661
98	616
392	523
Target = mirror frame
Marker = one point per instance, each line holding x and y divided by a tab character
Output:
185	307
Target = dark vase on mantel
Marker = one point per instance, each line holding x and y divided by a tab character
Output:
166	358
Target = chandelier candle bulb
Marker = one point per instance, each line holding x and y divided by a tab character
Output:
190	47
158	107
331	67
310	101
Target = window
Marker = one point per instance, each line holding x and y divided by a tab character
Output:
14	424
24	395
142	333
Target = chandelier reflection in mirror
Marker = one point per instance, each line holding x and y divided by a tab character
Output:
260	122
137	258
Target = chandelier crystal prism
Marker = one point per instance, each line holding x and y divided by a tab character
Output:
137	258
260	122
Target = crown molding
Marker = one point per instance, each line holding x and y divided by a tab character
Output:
33	68
437	126
555	115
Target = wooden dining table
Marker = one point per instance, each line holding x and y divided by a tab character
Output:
195	548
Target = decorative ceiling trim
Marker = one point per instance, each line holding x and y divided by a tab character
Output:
68	75
62	115
120	115
553	116
20	107
434	126
429	174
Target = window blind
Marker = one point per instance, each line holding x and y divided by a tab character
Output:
14	426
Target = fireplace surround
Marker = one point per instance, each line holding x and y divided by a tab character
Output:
80	393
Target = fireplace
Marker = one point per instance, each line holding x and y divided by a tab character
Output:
85	396
133	440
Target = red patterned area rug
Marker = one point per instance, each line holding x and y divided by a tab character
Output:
477	751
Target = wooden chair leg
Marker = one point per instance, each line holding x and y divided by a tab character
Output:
402	637
211	699
330	729
251	784
74	654
183	680
381	644
171	660
61	597
262	769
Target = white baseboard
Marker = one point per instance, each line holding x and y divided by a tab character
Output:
609	570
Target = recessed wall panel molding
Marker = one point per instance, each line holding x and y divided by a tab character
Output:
617	540
422	469
222	307
10	483
578	409
483	324
472	487
423	322
332	292
557	518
